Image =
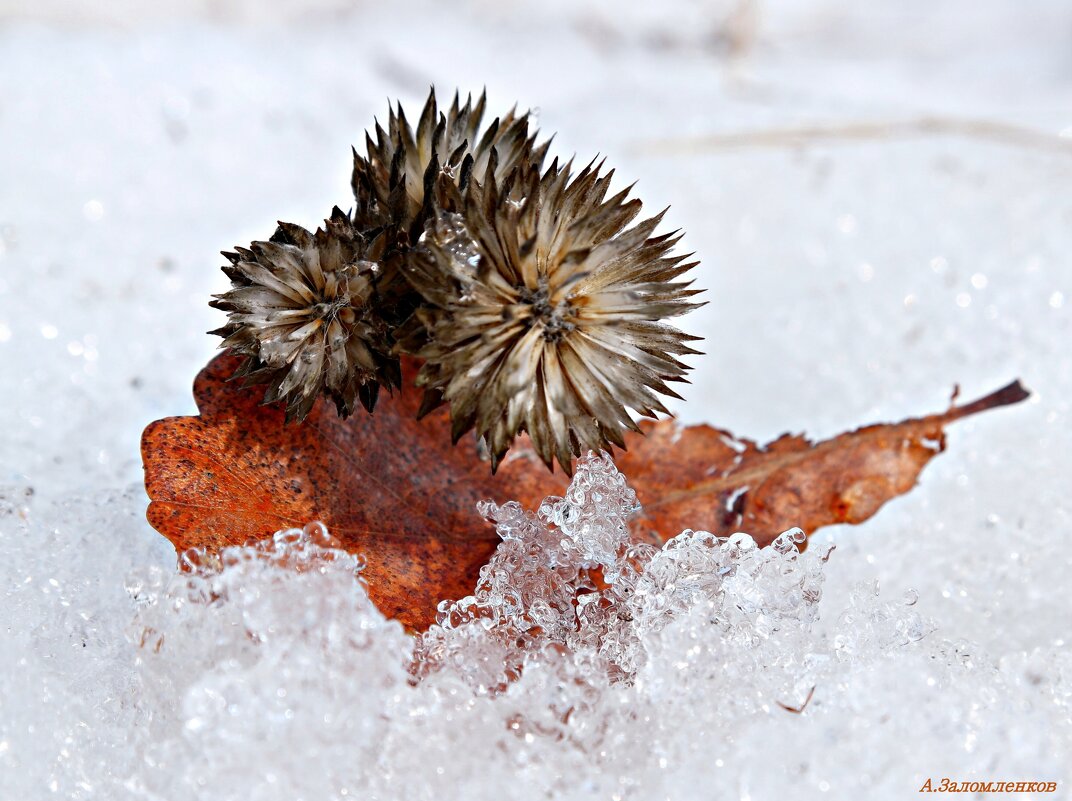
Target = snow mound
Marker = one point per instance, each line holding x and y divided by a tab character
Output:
583	666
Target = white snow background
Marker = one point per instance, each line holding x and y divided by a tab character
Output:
880	194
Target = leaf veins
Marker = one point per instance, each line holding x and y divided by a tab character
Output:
392	487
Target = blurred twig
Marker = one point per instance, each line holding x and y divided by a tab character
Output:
987	130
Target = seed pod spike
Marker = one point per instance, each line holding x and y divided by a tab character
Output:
305	313
558	332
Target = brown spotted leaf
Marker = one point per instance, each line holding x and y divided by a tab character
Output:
394	489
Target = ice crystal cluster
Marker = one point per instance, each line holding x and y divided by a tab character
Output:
583	666
569	574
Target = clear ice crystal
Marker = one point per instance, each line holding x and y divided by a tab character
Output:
570	576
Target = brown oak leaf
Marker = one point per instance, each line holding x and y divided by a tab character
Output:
707	479
394	489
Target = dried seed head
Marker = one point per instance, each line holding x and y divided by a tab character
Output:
390	182
303	309
544	311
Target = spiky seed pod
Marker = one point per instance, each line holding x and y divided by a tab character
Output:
303	310
543	311
390	182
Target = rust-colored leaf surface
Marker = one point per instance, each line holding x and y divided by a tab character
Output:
395	490
386	486
707	479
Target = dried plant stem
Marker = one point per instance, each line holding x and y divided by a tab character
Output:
865	131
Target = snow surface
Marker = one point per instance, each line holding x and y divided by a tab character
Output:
881	196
